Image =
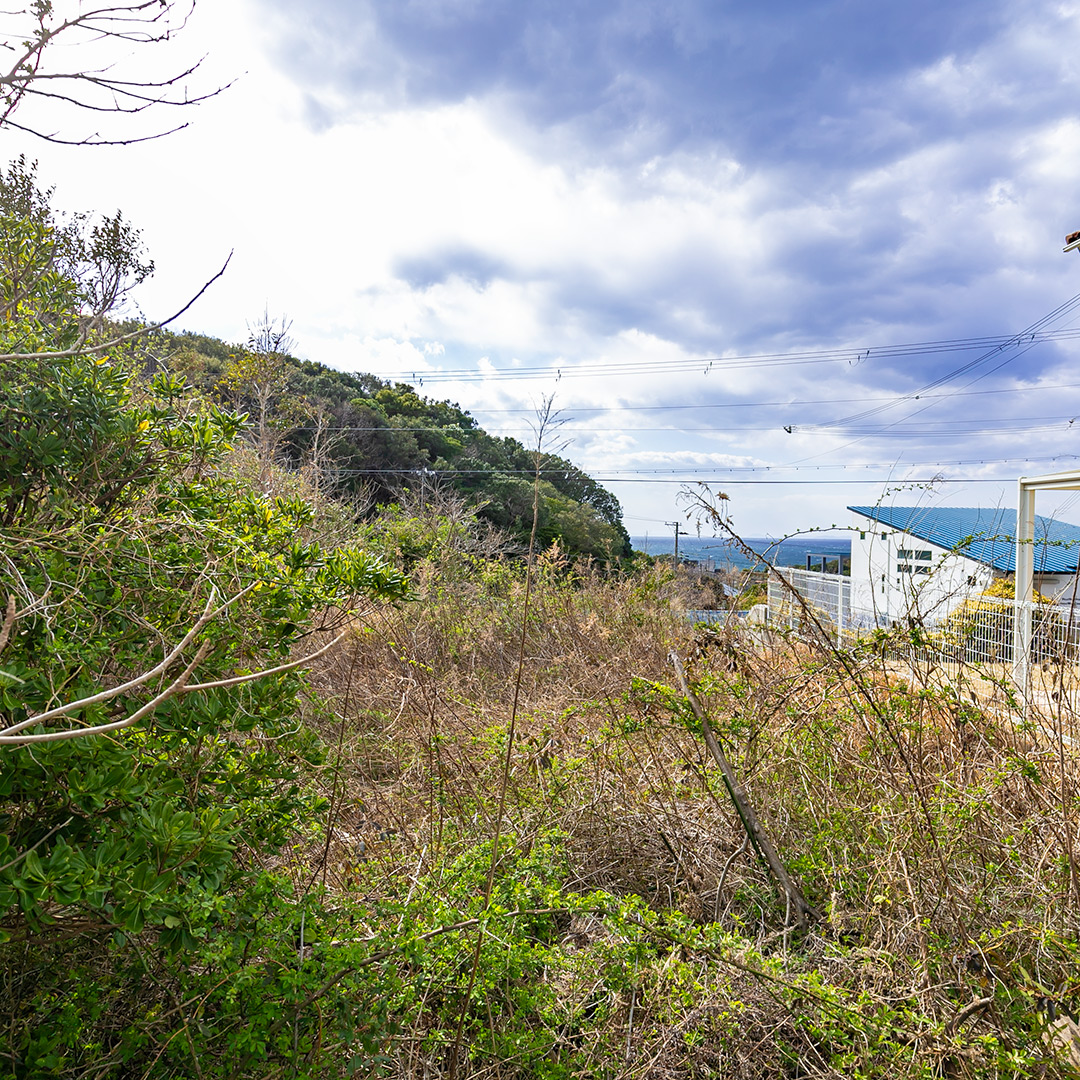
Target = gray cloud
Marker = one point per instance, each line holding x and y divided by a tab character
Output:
435	268
899	151
771	81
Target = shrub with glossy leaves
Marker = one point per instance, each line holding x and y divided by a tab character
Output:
136	866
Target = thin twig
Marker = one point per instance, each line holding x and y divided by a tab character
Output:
19	858
544	419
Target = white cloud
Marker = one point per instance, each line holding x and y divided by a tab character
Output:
675	458
414	240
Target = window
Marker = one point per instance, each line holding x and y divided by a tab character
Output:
910	557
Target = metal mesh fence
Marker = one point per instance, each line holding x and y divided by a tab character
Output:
977	630
980	630
828	596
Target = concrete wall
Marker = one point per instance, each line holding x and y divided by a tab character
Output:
894	575
1057	587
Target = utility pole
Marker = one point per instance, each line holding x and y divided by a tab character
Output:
424	474
675	525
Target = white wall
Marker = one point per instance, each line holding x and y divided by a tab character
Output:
1057	587
927	588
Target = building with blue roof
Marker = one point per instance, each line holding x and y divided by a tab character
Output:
923	560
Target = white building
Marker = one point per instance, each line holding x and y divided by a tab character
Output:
922	561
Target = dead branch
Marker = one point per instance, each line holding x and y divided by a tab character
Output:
13	735
9	622
82	349
34	37
793	894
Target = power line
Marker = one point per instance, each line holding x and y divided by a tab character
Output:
955	429
730	482
777	404
679	474
1034	334
1027	339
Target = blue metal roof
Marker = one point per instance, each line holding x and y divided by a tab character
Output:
988	536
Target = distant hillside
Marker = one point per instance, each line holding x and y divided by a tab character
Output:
367	435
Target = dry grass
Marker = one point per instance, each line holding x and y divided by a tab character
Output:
934	828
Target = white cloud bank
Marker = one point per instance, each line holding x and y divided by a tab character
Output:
458	233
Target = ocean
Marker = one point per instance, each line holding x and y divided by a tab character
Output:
779	552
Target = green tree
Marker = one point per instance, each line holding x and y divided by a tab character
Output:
156	615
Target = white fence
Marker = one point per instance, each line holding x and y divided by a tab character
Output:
978	630
829	595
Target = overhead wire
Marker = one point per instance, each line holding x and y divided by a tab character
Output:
1032	424
853	355
770	404
1030	336
696	470
1009	349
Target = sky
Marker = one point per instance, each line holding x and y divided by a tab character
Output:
808	253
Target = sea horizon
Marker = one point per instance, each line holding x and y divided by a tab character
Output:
775	550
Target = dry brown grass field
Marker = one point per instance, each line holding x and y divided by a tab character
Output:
930	823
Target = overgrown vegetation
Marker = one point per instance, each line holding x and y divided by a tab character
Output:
362	438
229	851
930	832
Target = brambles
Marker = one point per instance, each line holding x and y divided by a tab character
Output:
321	920
921	824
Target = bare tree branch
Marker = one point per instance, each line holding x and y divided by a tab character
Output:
90	140
117	725
131	684
33	37
236	680
803	910
9	622
180	685
83	349
209	613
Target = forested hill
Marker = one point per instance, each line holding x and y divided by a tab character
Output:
366	435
